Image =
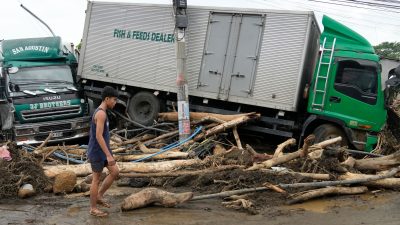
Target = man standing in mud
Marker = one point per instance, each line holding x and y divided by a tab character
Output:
99	152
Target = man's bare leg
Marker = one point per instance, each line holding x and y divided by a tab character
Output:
94	195
114	171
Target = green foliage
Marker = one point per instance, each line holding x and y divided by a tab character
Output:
79	46
388	50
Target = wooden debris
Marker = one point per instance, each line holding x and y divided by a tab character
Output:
64	182
144	149
173	116
237	138
274	188
209	119
279	149
307	143
314	176
290	156
257	157
379	164
44	143
124	167
362	180
229	193
391	183
238	204
219	149
165	155
230	124
307	195
137	139
182	173
151	196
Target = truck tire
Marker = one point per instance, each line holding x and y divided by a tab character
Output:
144	108
328	131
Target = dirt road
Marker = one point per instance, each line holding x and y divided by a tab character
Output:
370	209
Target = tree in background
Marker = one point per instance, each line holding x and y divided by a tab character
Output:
388	50
79	46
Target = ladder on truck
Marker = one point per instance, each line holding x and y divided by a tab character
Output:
321	80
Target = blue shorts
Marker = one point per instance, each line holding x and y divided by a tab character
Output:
98	166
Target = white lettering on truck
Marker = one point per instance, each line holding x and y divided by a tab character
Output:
37	48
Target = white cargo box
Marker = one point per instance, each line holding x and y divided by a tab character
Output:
249	56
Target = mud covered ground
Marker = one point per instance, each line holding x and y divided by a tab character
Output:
370	209
375	207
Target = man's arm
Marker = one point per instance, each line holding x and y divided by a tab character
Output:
100	118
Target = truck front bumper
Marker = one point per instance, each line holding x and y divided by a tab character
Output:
63	130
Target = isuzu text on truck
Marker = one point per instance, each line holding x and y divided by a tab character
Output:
38	92
239	60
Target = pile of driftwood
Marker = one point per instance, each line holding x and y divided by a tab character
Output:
22	175
315	170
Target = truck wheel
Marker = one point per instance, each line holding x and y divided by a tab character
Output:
144	108
329	131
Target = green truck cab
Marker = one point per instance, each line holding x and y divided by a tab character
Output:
346	87
38	92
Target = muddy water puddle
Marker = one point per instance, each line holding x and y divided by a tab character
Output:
326	205
57	210
189	213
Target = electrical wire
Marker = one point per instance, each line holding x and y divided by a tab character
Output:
171	146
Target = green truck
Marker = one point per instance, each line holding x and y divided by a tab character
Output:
275	62
39	93
346	88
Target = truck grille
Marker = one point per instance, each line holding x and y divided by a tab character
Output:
57	127
51	112
42	137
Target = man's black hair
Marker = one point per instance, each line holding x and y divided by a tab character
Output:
108	92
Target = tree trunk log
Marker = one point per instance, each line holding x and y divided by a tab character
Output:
124	167
151	196
165	155
307	195
181	173
391	183
173	116
381	163
230	124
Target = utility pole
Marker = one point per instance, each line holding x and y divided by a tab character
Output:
181	23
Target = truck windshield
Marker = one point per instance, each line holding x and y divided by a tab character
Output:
42	75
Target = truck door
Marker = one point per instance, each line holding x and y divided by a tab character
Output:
215	50
355	95
231	53
239	78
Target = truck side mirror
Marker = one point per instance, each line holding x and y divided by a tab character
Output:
397	72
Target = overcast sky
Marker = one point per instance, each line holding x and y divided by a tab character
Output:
66	17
